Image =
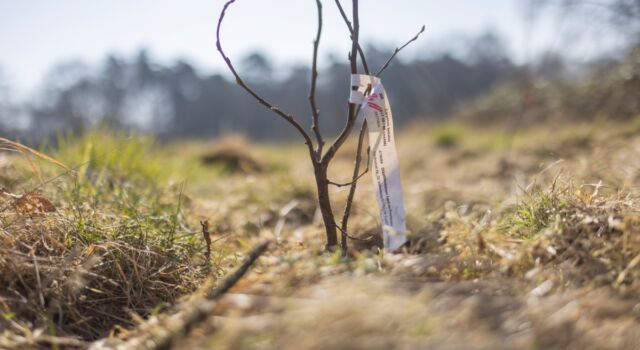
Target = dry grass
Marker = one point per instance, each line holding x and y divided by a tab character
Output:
116	247
28	153
535	246
232	154
542	253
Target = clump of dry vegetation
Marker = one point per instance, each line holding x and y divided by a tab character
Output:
92	250
232	154
587	238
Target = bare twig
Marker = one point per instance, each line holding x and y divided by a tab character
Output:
365	66
357	162
353	108
287	117
320	168
397	51
55	342
202	310
352	189
207	238
367	239
363	130
233	278
315	113
355	36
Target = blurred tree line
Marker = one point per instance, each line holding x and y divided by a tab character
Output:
480	81
177	101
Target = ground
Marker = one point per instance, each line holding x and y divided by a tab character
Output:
517	241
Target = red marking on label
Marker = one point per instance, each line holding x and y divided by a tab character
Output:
374	106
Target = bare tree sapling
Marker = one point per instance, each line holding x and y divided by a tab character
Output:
320	157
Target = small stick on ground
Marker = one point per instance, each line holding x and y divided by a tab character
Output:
207	239
165	339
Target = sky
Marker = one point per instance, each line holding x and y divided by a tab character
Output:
35	34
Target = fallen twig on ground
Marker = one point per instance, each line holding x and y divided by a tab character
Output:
180	324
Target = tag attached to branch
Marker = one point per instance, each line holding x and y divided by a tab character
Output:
385	170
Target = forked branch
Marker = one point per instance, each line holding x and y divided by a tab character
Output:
367	239
365	66
353	108
286	116
355	47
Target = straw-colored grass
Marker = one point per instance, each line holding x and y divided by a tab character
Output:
114	246
531	243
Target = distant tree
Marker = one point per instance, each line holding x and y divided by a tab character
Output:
123	92
487	47
257	67
112	82
551	66
64	102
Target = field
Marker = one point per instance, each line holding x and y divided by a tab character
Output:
524	241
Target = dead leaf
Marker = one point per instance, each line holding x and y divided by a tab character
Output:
33	203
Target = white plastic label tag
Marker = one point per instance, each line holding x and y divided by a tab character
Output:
385	170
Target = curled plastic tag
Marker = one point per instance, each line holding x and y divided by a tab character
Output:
385	170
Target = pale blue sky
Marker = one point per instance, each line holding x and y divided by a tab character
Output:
36	34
